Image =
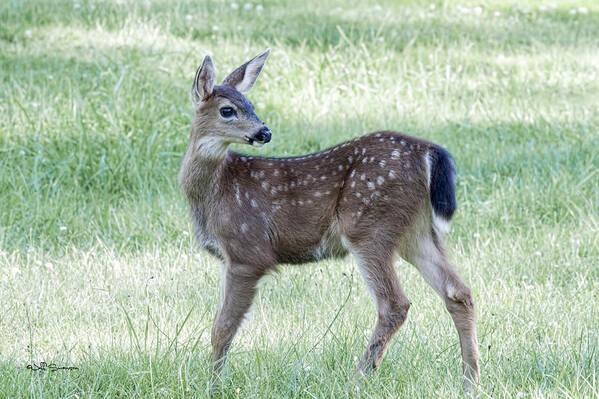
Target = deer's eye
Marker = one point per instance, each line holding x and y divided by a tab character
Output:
227	112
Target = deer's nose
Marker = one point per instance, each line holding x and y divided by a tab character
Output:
263	135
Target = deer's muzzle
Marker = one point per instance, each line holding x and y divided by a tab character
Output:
262	136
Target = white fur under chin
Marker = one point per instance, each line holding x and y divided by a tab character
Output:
211	147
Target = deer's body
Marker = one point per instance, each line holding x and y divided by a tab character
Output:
376	196
302	209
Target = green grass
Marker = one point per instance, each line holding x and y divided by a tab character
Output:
97	266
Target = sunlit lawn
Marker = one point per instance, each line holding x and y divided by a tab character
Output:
98	269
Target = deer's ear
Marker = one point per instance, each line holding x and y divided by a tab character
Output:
244	77
203	82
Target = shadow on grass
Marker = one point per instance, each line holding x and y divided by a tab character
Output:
400	26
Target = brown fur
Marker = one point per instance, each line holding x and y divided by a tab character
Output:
369	196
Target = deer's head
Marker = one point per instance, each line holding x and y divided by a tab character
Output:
222	113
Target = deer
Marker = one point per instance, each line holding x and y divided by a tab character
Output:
379	196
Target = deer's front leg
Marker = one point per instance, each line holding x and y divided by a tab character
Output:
238	287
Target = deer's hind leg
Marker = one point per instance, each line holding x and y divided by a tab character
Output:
375	262
428	255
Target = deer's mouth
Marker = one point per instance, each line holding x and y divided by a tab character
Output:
253	142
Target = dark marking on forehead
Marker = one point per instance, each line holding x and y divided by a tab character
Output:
235	97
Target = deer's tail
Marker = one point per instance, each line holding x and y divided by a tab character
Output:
442	187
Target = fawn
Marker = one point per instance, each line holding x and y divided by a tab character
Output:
376	196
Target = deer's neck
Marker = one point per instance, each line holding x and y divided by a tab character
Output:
201	169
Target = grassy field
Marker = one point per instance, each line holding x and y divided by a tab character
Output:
97	266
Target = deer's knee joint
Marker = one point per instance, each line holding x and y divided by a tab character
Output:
459	295
221	332
397	314
402	309
216	334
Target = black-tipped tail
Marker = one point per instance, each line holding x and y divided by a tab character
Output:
442	183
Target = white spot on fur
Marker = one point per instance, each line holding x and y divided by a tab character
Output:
353	184
371	159
273	191
370	185
377	135
355	151
323	177
340	167
365	160
363	151
402	142
394	154
353	173
265	185
382	163
363	176
276	172
392	174
380	180
243	159
254	203
350	159
244	227
317	194
358	194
